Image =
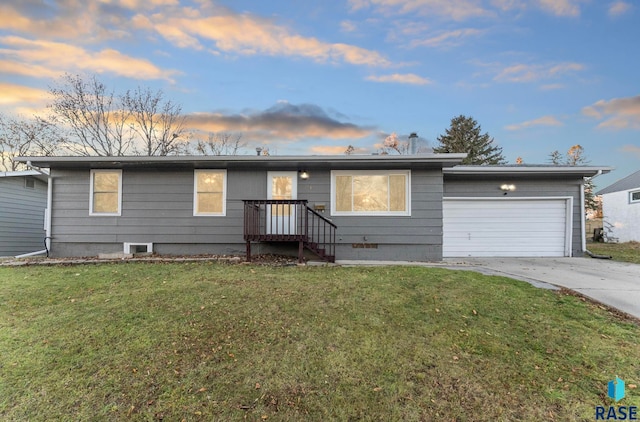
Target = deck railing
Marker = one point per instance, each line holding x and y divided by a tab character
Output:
286	220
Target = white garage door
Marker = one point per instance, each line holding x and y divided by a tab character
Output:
506	227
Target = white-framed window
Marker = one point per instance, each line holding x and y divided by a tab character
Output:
371	192
634	196
106	192
210	193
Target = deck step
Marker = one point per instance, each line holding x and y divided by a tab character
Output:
321	252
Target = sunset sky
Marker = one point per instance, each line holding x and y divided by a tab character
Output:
303	77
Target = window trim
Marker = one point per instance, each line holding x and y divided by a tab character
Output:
195	193
404	172
91	193
631	200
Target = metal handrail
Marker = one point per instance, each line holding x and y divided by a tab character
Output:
274	220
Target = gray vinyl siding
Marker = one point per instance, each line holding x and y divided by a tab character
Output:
157	207
415	238
538	187
21	216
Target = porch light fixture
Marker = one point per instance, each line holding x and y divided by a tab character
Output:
507	188
304	175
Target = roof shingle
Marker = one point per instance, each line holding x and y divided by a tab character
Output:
632	181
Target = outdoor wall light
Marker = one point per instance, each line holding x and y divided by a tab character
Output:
508	188
304	175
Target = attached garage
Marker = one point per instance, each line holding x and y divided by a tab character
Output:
507	227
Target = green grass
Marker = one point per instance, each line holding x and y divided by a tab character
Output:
211	341
625	252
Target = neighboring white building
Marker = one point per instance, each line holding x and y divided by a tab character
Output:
621	209
23	199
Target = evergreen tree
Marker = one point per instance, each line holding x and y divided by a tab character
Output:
465	135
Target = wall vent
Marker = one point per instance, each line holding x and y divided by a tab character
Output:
134	248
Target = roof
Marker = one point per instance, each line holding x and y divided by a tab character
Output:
250	161
25	173
528	169
632	181
449	162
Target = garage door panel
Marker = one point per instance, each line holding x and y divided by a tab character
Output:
488	207
506	226
530	227
512	241
529	215
513	253
515	211
517	224
512	236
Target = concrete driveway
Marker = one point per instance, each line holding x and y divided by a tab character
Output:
616	284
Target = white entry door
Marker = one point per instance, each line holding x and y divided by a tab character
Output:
281	218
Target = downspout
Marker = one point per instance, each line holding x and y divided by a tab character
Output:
583	218
47	215
584	234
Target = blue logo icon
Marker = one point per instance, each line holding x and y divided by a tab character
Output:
616	389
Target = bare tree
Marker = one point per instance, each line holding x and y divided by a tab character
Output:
392	145
159	123
92	115
575	157
220	144
21	137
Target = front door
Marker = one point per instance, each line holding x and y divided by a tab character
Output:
281	218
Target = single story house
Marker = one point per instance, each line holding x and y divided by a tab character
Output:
621	209
23	199
369	207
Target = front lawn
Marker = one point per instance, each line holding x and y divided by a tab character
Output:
626	252
209	341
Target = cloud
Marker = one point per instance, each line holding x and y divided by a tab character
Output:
561	7
248	35
619	8
460	10
617	113
457	10
630	149
146	4
50	59
551	87
336	150
282	122
541	121
207	26
535	72
348	26
406	78
448	38
14	94
79	21
507	5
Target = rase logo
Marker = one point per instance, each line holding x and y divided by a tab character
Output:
615	391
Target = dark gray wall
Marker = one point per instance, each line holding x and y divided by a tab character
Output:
414	238
21	216
157	206
489	187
